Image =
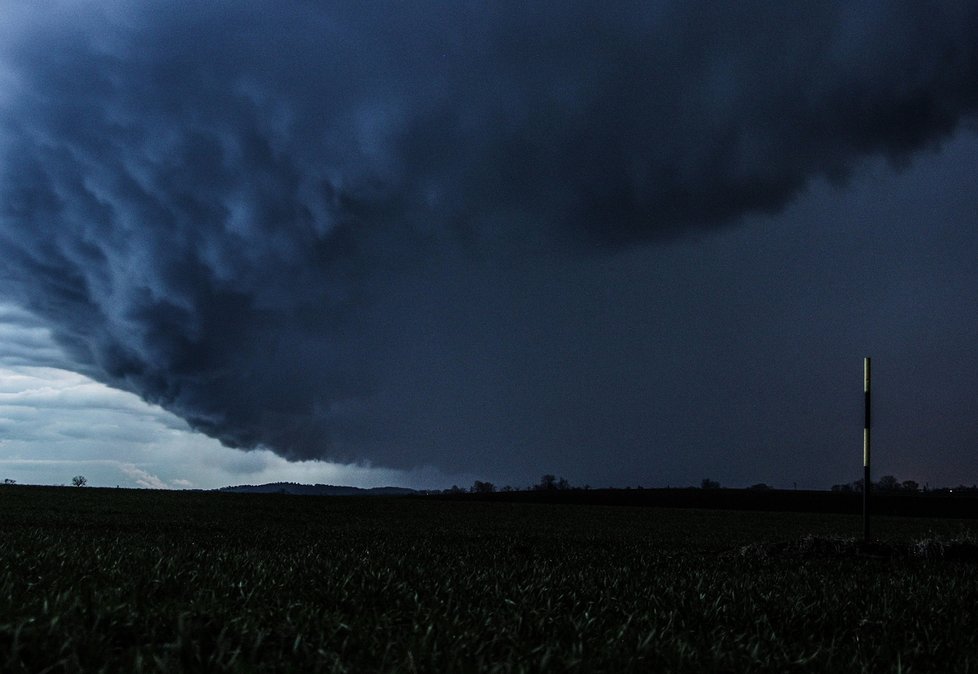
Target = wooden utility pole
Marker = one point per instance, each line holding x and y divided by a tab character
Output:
867	482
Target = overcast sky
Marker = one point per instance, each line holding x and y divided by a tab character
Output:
422	243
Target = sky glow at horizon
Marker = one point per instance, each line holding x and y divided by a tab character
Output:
57	424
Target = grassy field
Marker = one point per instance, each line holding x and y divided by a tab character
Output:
129	581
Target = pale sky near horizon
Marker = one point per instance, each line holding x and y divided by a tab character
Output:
55	424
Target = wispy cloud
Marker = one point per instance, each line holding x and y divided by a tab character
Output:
144	478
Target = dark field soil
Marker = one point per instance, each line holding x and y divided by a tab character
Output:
896	503
129	581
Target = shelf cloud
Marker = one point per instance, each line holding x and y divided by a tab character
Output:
232	209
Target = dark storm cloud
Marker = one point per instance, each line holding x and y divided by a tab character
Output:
241	211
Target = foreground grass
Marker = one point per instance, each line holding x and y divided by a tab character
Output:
118	580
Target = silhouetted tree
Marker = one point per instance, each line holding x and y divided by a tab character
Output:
707	483
7	480
909	485
760	486
546	483
888	483
551	483
480	487
79	480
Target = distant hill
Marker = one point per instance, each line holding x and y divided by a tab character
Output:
316	490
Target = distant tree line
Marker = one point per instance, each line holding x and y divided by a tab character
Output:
889	483
885	483
547	482
551	482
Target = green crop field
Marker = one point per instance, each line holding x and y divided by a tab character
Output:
129	581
